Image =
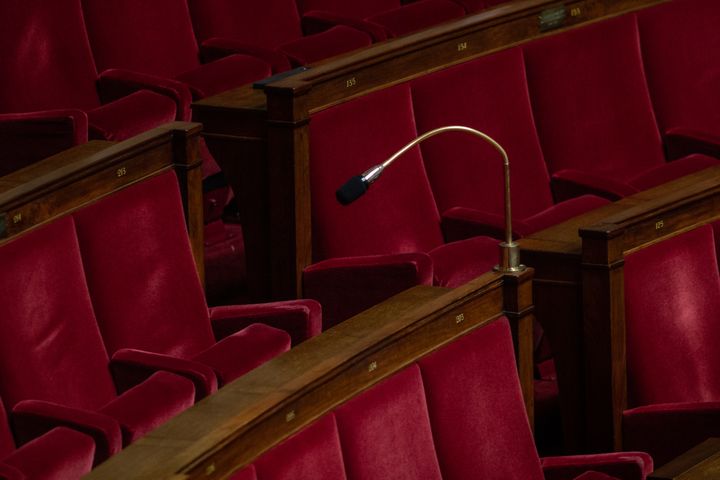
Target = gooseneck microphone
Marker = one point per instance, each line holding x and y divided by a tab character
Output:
356	187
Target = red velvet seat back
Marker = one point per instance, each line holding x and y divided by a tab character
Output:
672	306
140	270
680	42
269	23
398	213
476	408
45	57
356	9
50	348
590	99
7	444
154	37
489	94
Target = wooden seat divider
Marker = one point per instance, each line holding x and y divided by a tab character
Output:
65	182
230	429
260	138
579	296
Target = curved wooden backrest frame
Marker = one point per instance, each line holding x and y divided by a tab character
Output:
228	430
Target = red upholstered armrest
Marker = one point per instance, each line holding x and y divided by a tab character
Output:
29	137
459	223
347	286
215	48
33	418
621	465
60	453
568	184
8	472
116	83
317	21
680	142
302	319
131	367
670	429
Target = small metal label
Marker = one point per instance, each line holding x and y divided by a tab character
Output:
17	218
210	469
462	46
659	225
290	416
121	172
552	18
351	82
460	318
575	12
372	367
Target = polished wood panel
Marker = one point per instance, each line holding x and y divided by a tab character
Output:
579	295
65	182
228	430
699	463
275	207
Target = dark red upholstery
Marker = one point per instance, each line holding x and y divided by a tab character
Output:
592	106
273	25
393	17
50	331
489	94
144	225
61	453
478	5
678	41
458	413
672	297
47	65
396	217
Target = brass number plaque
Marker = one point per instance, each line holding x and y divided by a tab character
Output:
121	172
659	225
17	218
462	46
351	82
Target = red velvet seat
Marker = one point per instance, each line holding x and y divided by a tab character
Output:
679	40
49	96
466	174
472	6
59	454
435	420
380	18
144	226
672	301
390	239
54	370
270	30
592	109
156	40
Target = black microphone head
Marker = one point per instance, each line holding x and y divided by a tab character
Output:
351	190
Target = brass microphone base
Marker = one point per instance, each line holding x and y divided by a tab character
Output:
509	258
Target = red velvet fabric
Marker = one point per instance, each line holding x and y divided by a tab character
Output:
302	319
672	293
473	440
457	263
489	94
334	41
620	465
398	214
319	21
119	120
225	273
348	286
417	15
472	6
247	473
10	473
59	454
667	430
7	444
679	40
224	74
314	453
385	431
669	171
590	100
352	9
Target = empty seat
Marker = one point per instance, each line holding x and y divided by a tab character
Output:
390	239
591	104
54	370
270	30
381	18
49	96
135	246
672	302
435	420
59	454
466	174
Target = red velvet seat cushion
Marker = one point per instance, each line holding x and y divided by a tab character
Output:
670	171
457	263
349	9
417	15
224	74
474	439
334	41
385	431
130	115
679	40
489	94
314	453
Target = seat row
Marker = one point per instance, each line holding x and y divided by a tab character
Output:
106	329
